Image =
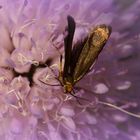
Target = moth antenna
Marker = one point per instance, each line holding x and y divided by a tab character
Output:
52	72
47	83
54	77
28	23
120	109
56	48
60	63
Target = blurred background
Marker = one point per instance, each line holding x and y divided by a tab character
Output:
30	110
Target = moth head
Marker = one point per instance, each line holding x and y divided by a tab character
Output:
68	87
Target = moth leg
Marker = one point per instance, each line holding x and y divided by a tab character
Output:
77	98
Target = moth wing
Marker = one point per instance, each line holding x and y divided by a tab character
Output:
68	45
77	48
93	46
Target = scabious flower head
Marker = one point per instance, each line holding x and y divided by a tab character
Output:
32	34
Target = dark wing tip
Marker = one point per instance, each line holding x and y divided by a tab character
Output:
68	44
71	22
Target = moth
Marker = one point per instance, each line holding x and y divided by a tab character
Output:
79	58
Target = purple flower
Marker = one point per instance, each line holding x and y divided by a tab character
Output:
32	34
